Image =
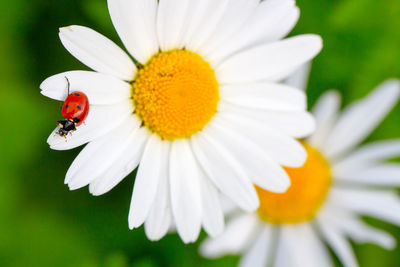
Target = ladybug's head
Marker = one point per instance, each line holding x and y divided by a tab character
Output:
65	127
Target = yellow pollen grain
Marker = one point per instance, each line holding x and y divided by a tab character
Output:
309	187
175	94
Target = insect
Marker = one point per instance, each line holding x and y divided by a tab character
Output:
75	110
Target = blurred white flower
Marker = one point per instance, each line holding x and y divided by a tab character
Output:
201	111
327	195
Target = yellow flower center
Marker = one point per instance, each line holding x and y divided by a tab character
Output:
175	94
309	187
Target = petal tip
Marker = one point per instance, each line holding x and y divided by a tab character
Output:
66	29
130	224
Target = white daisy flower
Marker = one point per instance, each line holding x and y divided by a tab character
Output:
327	195
201	110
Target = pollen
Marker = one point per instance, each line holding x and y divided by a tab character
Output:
309	187
175	94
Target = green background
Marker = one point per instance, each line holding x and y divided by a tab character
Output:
42	223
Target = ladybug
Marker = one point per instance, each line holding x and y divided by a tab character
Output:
75	110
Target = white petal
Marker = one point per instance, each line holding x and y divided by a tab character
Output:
237	235
224	171
339	244
384	205
282	148
135	22
185	191
171	23
266	96
364	233
97	52
263	171
366	114
356	229
260	252
99	155
325	112
213	217
152	167
271	21
99	88
228	206
300	245
160	217
235	15
294	124
125	164
270	62
381	175
198	31
101	120
366	156
299	79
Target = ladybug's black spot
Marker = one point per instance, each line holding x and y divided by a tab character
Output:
76	94
79	107
66	106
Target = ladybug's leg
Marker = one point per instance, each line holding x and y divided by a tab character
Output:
68	84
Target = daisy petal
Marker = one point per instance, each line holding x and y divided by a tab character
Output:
366	114
97	52
367	155
213	217
384	205
270	62
235	15
300	245
276	17
358	230
160	217
235	238
339	244
266	96
100	88
197	31
271	21
101	119
228	206
381	175
99	155
325	112
299	79
135	22
151	169
259	253
361	232
125	164
295	124
185	191
224	171
283	149
263	171
171	22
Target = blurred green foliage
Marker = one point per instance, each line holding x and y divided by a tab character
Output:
43	224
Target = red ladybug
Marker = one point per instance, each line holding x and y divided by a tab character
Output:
75	110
